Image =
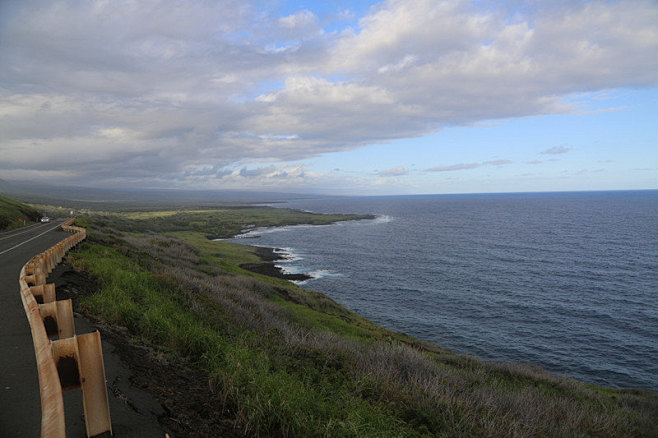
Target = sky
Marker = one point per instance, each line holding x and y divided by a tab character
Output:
331	97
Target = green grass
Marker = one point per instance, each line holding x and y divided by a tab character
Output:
312	310
14	214
224	254
217	223
270	396
292	362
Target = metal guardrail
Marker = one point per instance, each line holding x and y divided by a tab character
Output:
71	361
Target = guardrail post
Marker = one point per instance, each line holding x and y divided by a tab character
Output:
79	363
44	293
35	279
50	258
57	318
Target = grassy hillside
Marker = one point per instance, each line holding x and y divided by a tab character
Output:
217	223
12	213
291	362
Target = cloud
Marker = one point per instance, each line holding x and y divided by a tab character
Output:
498	162
465	166
145	92
283	171
396	171
301	19
346	14
255	177
556	150
534	162
452	167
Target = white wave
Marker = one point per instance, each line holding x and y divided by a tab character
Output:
290	270
317	274
382	219
251	233
324	273
287	255
378	220
289	264
257	232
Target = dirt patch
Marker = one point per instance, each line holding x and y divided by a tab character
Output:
190	408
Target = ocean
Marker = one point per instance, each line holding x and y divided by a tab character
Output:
566	281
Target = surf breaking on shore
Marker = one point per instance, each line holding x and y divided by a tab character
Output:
255	233
288	266
276	264
281	262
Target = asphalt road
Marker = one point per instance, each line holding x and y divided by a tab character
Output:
20	403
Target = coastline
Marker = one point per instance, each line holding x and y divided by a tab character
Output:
271	255
328	353
268	267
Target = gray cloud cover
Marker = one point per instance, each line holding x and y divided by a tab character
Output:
191	92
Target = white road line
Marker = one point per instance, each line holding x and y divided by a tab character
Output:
28	240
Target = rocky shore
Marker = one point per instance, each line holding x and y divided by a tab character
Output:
268	267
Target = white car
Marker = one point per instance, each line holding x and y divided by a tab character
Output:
45	219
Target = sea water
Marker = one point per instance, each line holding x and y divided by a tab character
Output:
567	281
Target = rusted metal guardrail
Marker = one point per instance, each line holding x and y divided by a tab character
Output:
71	361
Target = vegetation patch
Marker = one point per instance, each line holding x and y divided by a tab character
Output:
285	361
220	223
14	214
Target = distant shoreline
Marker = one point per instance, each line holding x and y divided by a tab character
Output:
271	255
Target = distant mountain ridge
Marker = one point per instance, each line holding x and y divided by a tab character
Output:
14	214
40	193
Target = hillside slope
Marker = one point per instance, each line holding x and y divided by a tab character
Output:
280	360
14	214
